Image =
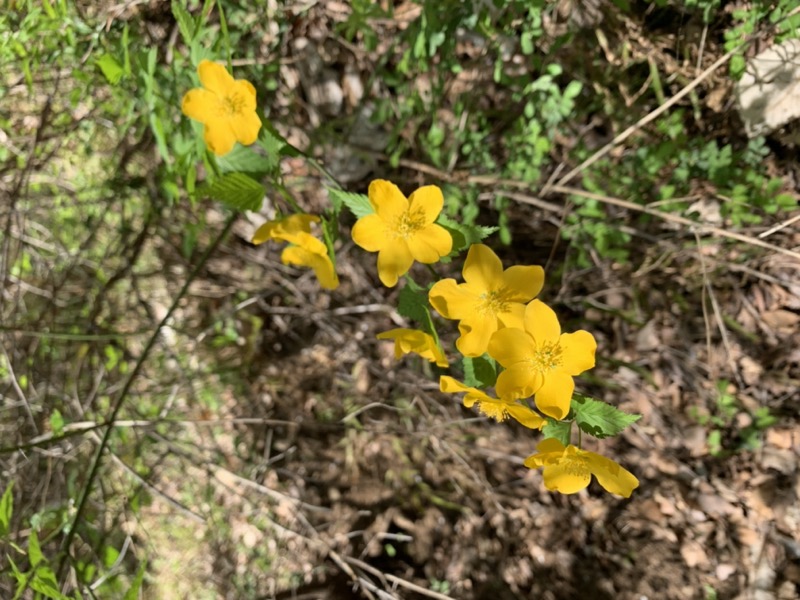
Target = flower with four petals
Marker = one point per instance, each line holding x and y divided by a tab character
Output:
305	250
402	230
569	469
489	299
492	407
225	106
541	360
418	342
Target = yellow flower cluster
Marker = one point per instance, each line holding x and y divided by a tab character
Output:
497	310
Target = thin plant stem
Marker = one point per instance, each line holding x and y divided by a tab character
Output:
98	459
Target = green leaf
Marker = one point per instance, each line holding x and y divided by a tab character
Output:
235	190
6	509
464	235
559	430
598	418
111	69
244	159
133	591
412	303
358	204
185	22
330	231
480	371
44	582
35	555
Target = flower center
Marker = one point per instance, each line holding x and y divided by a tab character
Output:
574	464
493	410
232	105
546	357
408	224
494	302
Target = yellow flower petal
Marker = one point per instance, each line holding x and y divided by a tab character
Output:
611	476
429	201
511	346
566	477
513	317
393	261
525	415
482	267
219	137
214	77
476	331
518	381
550	445
370	233
526	281
451	300
246	127
248	90
541	322
387	200
554	396
287	229
430	244
200	105
578	351
418	342
320	263
451	386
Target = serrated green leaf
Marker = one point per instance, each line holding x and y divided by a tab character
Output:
480	371
185	22
412	302
243	159
6	509
133	591
111	69
235	190
559	430
35	555
599	419
464	235
358	204
272	142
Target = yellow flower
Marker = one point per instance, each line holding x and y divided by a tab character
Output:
569	470
226	106
492	407
305	251
402	230
540	360
418	342
490	298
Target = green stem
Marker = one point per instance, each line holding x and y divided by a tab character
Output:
98	459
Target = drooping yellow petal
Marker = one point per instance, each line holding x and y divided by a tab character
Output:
482	268
214	77
476	331
549	445
541	322
554	396
430	244
525	415
370	233
517	382
577	351
320	263
393	261
525	281
452	386
287	229
611	476
200	105
451	300
428	200
387	200
418	342
219	137
510	346
566	477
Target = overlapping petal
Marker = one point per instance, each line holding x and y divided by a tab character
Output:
429	201
554	396
319	262
225	106
370	233
568	469
418	342
541	322
394	261
482	268
387	200
578	351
